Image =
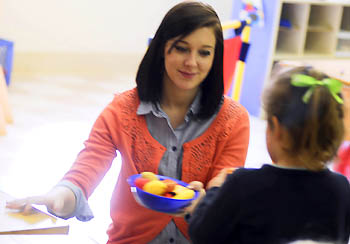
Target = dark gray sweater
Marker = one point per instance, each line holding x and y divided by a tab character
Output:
274	205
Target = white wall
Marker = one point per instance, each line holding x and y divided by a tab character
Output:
113	26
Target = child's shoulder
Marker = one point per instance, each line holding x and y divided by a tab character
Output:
251	180
245	173
269	173
339	177
264	174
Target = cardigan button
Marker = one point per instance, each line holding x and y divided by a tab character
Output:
171	240
174	148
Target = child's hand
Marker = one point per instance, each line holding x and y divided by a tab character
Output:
197	186
220	178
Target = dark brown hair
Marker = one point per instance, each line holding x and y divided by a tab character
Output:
315	128
180	21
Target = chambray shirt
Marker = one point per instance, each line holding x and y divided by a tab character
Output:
158	124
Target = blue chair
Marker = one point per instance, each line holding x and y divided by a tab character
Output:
6	58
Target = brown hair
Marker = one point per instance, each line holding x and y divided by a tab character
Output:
315	128
180	21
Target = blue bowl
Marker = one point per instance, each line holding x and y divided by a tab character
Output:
156	202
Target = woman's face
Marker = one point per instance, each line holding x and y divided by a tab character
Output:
188	63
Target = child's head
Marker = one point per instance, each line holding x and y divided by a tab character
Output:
311	115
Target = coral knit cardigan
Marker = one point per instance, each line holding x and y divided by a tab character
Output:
118	127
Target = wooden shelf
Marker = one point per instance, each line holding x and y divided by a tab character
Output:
343	41
319	28
320	42
306	55
290	40
293	28
287	56
340	54
326	16
345	23
344	34
316	32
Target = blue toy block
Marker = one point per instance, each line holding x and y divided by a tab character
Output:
285	23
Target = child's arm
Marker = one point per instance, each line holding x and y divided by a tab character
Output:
218	180
216	215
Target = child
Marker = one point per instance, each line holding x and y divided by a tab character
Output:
297	197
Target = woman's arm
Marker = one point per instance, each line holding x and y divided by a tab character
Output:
60	201
96	158
88	170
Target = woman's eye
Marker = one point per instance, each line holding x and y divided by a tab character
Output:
180	49
204	53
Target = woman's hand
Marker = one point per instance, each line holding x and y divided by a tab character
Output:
60	200
218	180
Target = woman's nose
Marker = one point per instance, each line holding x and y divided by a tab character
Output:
191	59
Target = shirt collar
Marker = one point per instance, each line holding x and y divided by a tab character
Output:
145	108
148	107
288	167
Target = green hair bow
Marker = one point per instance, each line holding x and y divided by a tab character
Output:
334	86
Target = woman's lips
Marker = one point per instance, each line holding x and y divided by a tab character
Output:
187	75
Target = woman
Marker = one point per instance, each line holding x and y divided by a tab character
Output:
176	122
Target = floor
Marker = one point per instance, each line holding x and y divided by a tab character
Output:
52	118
